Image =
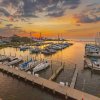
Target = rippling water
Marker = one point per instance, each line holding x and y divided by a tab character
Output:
13	89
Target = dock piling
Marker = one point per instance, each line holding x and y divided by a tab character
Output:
53	91
42	86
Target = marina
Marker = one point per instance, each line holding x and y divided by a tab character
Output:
52	73
49	49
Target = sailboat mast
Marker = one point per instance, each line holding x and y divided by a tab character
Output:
96	39
58	37
40	36
30	38
99	38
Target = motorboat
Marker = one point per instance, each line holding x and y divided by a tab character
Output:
35	50
92	51
93	64
48	51
22	48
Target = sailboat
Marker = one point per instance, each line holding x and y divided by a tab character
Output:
93	50
36	49
24	65
41	66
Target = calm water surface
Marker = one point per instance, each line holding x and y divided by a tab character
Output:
13	89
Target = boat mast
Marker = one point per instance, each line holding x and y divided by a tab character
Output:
40	36
58	38
99	38
96	39
30	38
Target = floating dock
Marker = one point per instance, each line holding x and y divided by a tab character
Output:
73	82
56	73
65	91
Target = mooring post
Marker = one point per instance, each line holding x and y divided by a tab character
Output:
53	91
42	86
33	82
18	76
75	66
92	66
7	72
51	67
84	63
12	74
27	58
25	78
63	65
66	96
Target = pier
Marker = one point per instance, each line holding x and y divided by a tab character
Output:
56	73
65	91
73	82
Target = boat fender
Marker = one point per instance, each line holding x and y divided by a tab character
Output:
66	83
29	72
37	75
16	68
62	84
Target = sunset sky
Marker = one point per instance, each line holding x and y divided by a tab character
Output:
69	18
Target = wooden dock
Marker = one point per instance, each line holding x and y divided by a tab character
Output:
50	85
56	73
73	82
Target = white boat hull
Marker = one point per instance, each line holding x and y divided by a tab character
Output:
40	67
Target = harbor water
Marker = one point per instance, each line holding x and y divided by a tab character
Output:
87	81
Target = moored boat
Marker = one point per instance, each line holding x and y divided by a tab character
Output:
41	66
22	48
35	50
93	64
24	65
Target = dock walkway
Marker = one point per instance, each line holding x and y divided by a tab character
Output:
55	87
56	73
73	82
